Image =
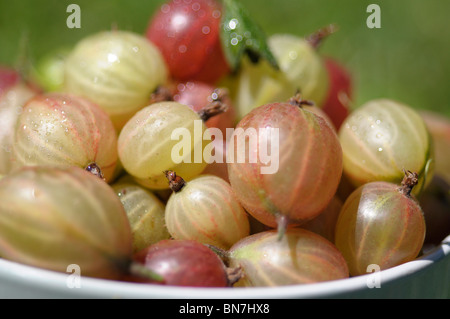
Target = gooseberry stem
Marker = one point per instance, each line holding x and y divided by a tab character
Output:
161	94
233	275
176	183
282	223
223	254
409	181
297	100
94	169
217	106
317	37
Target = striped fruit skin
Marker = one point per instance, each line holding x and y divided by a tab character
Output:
54	217
11	104
301	69
65	130
309	170
118	70
206	210
145	145
300	257
145	213
380	139
379	225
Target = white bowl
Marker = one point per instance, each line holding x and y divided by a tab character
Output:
425	277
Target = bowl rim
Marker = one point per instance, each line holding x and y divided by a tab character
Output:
57	284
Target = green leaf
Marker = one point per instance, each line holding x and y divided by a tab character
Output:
240	35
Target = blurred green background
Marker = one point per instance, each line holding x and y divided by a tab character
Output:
407	59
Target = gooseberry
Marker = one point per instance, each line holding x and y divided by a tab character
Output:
382	138
205	209
187	34
380	224
145	212
300	177
65	130
118	70
300	257
161	137
301	68
185	263
55	217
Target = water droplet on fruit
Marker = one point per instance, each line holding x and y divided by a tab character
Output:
165	8
196	6
216	14
206	29
112	58
178	22
233	24
182	48
293	55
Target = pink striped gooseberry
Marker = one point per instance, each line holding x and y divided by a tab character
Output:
205	209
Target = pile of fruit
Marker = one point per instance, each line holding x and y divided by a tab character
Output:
94	172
